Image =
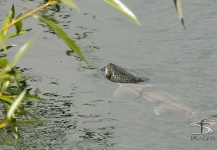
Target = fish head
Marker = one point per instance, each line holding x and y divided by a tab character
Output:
118	74
109	71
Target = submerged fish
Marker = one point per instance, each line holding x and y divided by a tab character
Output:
117	74
149	92
166	100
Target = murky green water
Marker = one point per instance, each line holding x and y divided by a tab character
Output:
80	110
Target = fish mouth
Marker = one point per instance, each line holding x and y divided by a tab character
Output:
106	71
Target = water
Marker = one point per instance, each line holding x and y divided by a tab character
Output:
79	109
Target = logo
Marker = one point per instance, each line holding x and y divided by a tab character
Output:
205	130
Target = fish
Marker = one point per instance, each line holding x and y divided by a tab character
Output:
128	83
152	94
118	74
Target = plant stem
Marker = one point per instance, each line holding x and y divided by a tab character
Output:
30	14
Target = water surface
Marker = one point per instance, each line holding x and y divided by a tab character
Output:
79	107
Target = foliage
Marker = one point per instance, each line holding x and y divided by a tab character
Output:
11	93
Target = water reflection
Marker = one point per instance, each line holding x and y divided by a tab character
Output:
22	117
65	125
55	7
91	15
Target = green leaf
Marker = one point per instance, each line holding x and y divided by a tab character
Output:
14	128
7	47
12	120
178	7
5	22
70	3
30	122
117	4
63	35
6	99
15	105
22	50
7	76
11	13
2	40
3	124
4	85
15	34
6	107
19	26
8	19
3	62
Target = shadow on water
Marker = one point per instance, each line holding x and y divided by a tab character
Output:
80	33
64	122
65	125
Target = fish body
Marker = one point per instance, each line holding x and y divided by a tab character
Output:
166	100
118	74
147	91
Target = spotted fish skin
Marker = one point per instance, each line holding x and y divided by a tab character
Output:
117	74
